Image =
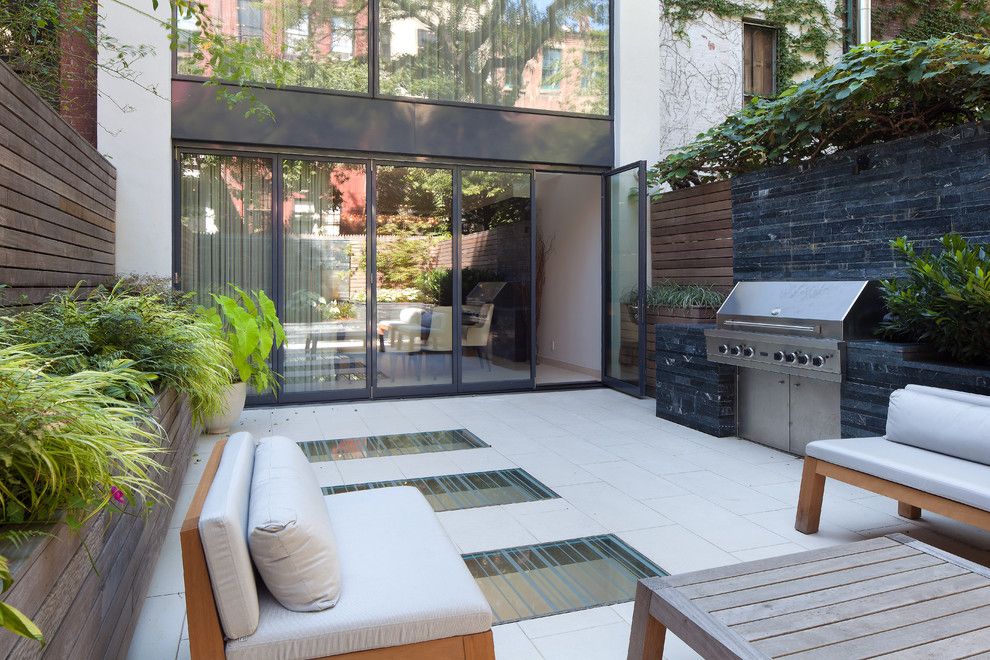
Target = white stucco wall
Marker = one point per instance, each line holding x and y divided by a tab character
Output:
568	214
637	81
135	134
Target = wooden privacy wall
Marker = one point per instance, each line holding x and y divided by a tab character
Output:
57	200
691	235
85	589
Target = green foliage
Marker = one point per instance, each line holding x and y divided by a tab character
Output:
805	28
401	259
436	286
152	332
65	443
250	326
877	92
926	19
11	618
944	299
668	293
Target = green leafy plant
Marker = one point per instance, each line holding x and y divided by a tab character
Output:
668	293
877	92
11	618
943	300
160	336
250	326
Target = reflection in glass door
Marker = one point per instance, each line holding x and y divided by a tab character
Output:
414	311
624	331
496	277
324	239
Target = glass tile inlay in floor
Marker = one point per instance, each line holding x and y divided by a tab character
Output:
466	491
390	445
563	576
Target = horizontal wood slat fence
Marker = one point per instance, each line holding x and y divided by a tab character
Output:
691	235
85	589
57	200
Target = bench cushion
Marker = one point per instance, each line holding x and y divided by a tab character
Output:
223	530
966	397
291	540
404	582
946	476
940	424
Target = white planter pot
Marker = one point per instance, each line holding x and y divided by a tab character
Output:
235	396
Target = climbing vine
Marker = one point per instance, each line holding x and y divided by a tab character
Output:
805	28
926	19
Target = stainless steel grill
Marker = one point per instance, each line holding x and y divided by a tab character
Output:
788	341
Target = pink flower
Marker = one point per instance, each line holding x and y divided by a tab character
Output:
118	495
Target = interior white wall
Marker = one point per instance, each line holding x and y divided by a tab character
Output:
568	215
135	132
637	81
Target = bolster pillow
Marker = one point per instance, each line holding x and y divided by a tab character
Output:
940	424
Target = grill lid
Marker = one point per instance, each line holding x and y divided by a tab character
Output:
836	309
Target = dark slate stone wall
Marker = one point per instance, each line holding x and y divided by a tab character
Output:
691	390
875	369
835	218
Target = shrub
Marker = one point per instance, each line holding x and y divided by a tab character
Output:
668	293
944	299
877	92
157	334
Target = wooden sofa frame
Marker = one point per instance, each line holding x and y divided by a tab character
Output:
206	640
910	501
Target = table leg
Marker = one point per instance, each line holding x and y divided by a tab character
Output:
647	635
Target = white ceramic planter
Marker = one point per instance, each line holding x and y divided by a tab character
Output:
235	396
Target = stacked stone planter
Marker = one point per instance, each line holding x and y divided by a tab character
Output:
85	589
692	391
665	316
875	369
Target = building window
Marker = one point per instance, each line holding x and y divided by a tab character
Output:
550	74
594	70
250	19
343	37
759	61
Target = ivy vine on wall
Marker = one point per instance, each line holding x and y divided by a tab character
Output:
924	19
805	28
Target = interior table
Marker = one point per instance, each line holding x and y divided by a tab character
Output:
890	597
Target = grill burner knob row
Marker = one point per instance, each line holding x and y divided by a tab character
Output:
790	357
748	351
818	360
802	359
723	349
779	356
735	350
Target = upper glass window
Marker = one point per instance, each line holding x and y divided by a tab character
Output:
514	53
306	43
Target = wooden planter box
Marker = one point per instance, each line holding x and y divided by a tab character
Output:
85	589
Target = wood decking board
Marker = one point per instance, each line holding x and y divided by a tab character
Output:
893	597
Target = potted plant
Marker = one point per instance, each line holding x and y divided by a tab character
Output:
250	326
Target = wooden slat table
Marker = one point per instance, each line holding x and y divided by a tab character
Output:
890	597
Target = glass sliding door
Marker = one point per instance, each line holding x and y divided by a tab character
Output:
225	224
414	306
496	278
324	240
624	318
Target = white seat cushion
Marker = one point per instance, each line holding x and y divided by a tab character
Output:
941	424
946	476
291	540
967	397
223	530
404	582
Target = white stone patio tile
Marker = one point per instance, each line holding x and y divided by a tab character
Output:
633	480
363	470
425	465
511	445
327	473
727	493
167	576
488	528
553	469
511	643
753	554
849	514
742	472
728	531
676	549
159	626
559	524
675	649
569	622
257	421
654	460
611	507
599	643
782	523
479	459
577	451
181	505
625	610
184	652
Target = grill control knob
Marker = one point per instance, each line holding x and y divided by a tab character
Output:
779	356
818	360
723	349
802	359
748	351
790	357
735	350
